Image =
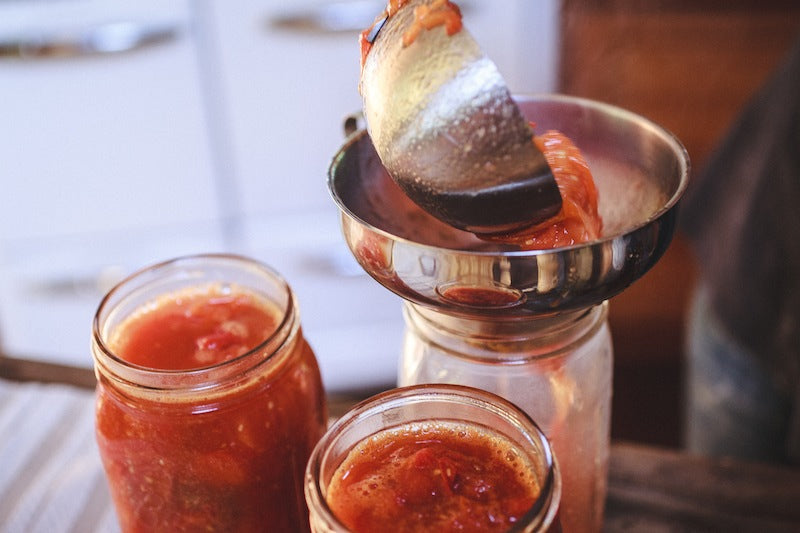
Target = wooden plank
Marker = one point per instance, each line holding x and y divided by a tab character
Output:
28	370
15	369
650	489
653	489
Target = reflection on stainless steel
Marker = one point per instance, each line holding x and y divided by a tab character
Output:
640	170
448	131
114	37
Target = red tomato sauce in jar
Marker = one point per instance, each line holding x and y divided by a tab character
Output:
438	476
229	454
194	329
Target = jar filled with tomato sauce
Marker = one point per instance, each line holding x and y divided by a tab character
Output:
209	399
434	458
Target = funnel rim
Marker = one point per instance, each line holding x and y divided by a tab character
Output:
670	139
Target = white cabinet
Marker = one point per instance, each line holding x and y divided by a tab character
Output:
105	162
217	138
101	142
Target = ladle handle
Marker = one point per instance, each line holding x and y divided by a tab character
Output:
353	123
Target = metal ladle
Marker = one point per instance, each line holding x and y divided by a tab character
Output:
445	126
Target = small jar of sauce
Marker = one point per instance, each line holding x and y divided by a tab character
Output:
433	458
209	399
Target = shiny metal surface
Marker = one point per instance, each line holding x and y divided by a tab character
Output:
109	38
640	171
448	131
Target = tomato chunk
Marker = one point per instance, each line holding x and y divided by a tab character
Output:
579	219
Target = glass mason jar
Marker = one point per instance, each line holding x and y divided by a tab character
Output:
418	409
556	368
216	447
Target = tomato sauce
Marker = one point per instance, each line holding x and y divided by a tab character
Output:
438	476
426	17
439	13
194	330
481	297
578	220
228	456
367	36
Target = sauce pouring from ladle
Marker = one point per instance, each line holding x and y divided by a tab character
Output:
445	125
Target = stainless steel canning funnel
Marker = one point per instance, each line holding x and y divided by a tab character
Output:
448	131
640	171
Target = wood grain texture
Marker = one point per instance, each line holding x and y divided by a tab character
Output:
652	489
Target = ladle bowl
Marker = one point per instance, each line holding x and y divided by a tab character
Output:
448	131
640	170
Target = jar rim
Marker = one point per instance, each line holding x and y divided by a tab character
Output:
478	340
544	509
203	377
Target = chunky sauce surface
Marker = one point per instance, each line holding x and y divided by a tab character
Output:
433	477
194	329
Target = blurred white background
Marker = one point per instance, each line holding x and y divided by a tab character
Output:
205	126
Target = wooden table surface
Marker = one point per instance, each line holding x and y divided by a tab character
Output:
52	480
655	489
